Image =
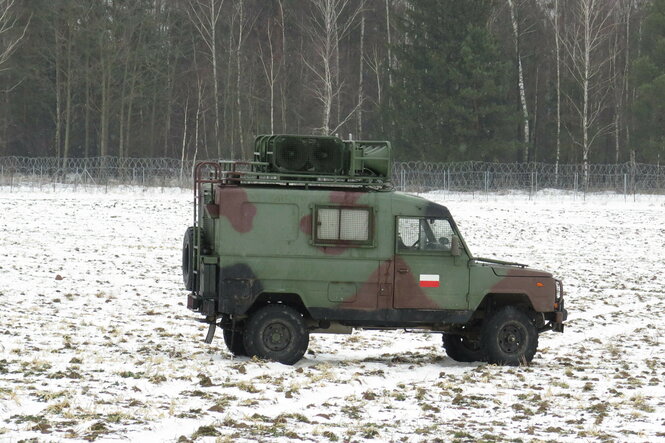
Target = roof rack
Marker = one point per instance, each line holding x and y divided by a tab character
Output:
258	173
305	161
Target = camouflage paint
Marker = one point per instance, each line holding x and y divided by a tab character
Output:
345	198
263	245
537	284
409	293
236	207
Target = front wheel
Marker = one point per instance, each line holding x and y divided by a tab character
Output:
509	337
278	333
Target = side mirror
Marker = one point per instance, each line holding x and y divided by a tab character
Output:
455	247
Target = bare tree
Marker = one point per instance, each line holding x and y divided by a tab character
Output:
585	42
271	70
283	64
9	41
8	22
204	15
618	72
68	93
526	135
620	52
106	57
199	108
557	46
184	137
390	44
240	8
361	70
245	24
376	64
329	23
128	86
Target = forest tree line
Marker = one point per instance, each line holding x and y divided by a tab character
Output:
563	81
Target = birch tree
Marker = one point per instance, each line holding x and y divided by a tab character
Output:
329	23
361	70
8	24
245	23
585	43
272	68
205	15
390	44
557	46
9	41
526	134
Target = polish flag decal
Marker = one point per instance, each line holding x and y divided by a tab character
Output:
429	280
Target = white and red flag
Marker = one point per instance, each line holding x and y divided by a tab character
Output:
429	280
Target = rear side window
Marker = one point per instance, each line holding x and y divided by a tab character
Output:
335	225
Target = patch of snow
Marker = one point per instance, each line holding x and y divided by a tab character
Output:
96	341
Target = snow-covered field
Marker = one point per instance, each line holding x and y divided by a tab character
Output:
96	343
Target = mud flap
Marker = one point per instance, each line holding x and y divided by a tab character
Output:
211	332
557	327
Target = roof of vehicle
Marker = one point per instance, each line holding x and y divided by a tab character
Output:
404	203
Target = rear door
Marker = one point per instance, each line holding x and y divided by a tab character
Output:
427	275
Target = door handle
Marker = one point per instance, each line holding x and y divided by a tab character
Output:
402	270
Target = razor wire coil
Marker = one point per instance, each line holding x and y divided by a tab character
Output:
414	176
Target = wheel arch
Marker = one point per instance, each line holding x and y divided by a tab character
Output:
494	301
290	299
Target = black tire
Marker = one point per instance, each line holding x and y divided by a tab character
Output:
188	259
276	332
509	337
462	349
235	342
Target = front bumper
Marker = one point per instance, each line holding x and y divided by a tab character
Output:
560	312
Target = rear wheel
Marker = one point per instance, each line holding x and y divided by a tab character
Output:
235	342
509	337
462	349
276	332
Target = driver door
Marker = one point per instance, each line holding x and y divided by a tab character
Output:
427	275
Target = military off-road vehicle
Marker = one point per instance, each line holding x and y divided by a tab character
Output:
311	237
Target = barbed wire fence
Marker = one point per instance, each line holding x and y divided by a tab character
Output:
416	176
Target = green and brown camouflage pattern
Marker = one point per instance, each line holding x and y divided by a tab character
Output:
258	246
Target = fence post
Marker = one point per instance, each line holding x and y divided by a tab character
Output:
625	186
633	168
444	181
531	188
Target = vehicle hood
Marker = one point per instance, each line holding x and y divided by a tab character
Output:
514	271
510	269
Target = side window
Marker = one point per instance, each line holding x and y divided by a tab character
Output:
343	225
423	234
